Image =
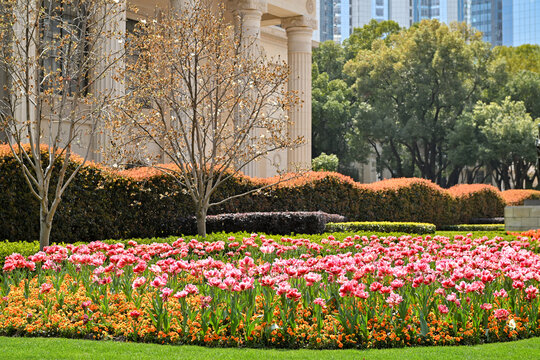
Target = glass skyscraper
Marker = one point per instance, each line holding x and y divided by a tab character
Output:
326	20
429	9
486	16
520	22
334	20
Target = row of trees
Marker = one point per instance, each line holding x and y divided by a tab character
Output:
433	101
187	86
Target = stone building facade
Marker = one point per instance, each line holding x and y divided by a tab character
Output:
283	27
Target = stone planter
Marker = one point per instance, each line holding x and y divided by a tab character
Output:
522	218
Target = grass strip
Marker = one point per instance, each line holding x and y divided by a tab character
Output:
55	348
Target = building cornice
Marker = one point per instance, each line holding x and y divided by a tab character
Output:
299	21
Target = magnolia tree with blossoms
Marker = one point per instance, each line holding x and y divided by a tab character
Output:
54	55
203	97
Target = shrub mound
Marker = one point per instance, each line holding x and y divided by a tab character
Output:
282	223
517	197
142	202
406	227
477	201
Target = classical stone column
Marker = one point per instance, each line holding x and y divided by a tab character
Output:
248	14
109	85
299	33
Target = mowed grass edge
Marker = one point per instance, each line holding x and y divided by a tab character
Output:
56	348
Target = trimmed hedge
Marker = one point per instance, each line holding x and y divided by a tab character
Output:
278	223
494	220
517	197
405	227
477	201
144	203
473	227
24	248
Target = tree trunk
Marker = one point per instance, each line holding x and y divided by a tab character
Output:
453	178
201	221
45	227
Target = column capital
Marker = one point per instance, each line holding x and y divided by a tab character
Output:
242	5
300	21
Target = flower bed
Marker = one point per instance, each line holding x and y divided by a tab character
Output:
359	292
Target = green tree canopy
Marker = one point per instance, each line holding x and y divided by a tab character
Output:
325	162
413	86
500	137
525	86
524	57
331	115
362	38
330	58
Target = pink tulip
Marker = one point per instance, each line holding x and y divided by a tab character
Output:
394	300
501	314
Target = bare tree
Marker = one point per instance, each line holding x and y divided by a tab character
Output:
204	98
56	55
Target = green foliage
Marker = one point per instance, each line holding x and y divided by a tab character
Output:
408	227
364	37
523	57
96	205
325	162
331	114
329	58
407	96
477	201
525	86
101	205
24	248
473	227
500	136
333	103
413	86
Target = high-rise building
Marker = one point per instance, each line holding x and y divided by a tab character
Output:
326	20
362	11
503	22
486	16
443	10
334	20
404	12
520	22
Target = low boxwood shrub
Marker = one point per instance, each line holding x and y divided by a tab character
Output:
472	227
24	248
404	227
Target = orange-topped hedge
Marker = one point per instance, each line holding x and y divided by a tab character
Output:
517	197
102	203
477	201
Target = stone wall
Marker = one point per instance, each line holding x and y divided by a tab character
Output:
521	218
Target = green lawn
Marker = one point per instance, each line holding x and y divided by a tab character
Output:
53	348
